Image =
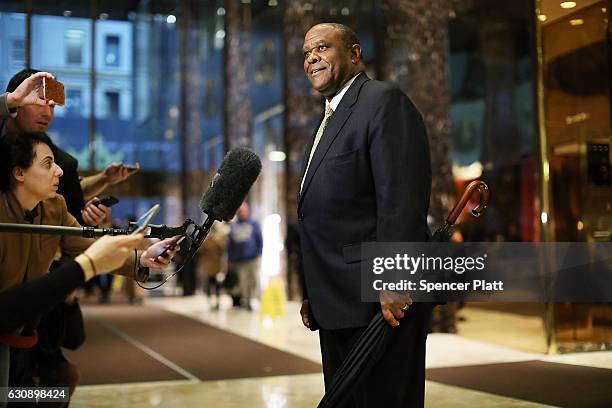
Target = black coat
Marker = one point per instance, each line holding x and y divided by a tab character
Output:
369	180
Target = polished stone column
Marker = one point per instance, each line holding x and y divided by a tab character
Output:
238	115
303	104
416	46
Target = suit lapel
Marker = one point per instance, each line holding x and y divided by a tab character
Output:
336	123
308	149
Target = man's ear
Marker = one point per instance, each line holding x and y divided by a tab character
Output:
355	52
18	174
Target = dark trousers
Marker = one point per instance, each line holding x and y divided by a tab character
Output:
397	380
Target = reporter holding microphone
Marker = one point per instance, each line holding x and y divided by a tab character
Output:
29	178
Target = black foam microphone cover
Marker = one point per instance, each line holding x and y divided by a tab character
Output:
231	184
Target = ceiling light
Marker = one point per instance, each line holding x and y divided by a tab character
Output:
577	22
542	17
272	3
171	19
345	11
103	16
568	4
277	156
220	11
67	13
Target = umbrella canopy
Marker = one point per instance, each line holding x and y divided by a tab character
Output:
371	343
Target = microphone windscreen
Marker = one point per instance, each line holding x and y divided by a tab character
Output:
231	184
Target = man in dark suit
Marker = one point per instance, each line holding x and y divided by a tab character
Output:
366	176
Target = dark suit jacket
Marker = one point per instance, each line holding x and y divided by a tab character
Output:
70	184
369	180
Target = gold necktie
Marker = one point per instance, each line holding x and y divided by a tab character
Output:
328	114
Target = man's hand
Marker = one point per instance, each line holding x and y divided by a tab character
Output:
27	93
304	313
117	172
393	305
94	213
152	258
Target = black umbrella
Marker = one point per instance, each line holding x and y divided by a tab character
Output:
370	345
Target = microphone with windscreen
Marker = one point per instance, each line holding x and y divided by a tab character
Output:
231	184
228	189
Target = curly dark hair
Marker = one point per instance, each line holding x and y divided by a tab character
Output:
17	150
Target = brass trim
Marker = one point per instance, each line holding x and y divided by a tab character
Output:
547	230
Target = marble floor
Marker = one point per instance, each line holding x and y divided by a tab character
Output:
474	346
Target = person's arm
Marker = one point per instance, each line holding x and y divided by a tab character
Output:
399	155
113	174
25	302
22	303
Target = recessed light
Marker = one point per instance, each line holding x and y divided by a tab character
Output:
568	4
577	22
277	156
542	17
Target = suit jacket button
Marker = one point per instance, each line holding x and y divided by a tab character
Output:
300	217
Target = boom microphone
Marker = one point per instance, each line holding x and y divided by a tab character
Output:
231	184
227	191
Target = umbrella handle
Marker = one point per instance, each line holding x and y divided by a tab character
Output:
483	190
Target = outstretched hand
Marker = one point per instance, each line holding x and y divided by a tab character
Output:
118	172
154	256
28	92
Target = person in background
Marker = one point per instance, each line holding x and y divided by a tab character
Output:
212	262
244	254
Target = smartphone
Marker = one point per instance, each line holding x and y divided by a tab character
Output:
132	168
108	201
143	222
53	90
177	240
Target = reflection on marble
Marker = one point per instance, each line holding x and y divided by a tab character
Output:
506	329
487	337
446	396
299	391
